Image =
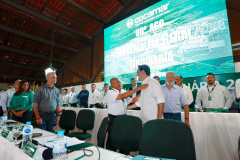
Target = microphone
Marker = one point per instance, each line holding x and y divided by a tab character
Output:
47	154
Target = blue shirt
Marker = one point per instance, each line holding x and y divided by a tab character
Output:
174	98
83	96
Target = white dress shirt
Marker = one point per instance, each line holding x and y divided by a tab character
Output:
65	98
116	107
102	95
220	97
134	94
149	100
73	97
6	98
94	97
237	88
188	93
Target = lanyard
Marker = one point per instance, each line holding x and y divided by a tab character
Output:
123	100
211	90
209	97
105	93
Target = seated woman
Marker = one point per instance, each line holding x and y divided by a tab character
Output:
21	103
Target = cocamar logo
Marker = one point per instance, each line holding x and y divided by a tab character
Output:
147	15
129	23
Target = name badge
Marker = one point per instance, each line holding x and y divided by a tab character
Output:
24	96
209	98
30	149
5	133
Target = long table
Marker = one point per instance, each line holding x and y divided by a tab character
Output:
215	134
10	152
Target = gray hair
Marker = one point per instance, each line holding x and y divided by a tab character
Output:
170	72
49	73
17	81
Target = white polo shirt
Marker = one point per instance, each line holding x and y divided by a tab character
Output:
149	99
116	107
73	97
188	93
94	97
65	98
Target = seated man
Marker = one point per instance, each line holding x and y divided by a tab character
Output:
213	95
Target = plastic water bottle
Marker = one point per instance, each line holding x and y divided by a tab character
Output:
196	107
27	134
4	118
3	122
59	146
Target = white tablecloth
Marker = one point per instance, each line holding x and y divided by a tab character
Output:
10	152
215	134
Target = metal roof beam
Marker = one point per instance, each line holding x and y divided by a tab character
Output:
22	77
122	2
26	35
22	66
87	11
45	18
9	49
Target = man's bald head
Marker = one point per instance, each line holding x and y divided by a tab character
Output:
115	83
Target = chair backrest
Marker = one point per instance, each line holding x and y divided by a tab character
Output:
167	139
67	120
126	132
102	132
85	120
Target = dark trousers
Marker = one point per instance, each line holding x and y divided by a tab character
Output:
73	104
1	111
97	105
48	121
26	116
84	104
172	116
109	145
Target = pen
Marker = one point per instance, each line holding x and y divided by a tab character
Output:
80	157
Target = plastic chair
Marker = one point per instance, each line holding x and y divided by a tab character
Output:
102	132
126	132
167	139
85	121
67	120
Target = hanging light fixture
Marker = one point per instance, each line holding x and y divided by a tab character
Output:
50	68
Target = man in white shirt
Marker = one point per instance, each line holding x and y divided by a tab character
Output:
7	96
65	98
73	100
103	94
186	90
151	99
94	97
117	104
213	95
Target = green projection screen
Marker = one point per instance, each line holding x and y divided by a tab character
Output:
188	37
